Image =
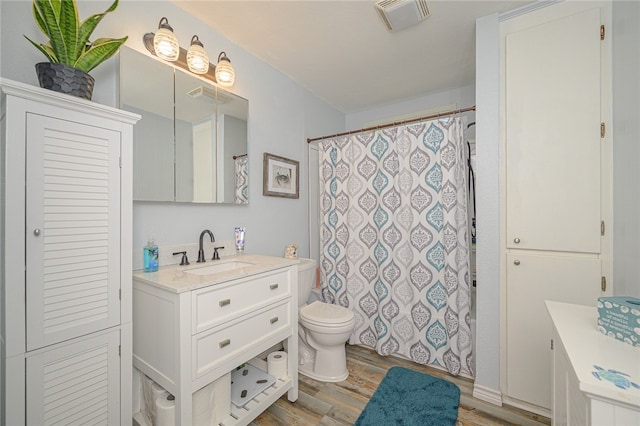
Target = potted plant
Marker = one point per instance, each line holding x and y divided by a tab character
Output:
70	53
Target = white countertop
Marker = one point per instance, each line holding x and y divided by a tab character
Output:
175	279
587	347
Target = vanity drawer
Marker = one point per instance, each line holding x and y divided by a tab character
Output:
225	344
216	304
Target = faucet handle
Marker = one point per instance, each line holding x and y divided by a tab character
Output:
216	256
184	260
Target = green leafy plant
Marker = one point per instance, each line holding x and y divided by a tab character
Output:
69	38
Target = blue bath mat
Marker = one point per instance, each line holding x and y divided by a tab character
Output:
407	397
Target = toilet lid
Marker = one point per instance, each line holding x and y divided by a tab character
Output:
326	313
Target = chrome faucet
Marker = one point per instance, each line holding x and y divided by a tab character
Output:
200	250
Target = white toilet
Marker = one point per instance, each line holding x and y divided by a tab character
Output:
323	330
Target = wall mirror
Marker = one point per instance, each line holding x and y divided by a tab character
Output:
191	142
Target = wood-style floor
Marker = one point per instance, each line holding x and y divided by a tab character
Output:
332	404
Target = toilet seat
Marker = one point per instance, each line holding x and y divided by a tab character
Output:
326	314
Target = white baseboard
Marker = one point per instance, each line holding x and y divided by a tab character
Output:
528	407
489	395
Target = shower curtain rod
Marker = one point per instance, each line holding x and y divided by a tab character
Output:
396	123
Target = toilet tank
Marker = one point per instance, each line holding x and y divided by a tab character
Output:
306	278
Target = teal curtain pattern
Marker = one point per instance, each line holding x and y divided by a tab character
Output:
394	240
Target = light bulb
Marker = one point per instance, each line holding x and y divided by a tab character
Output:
165	42
197	58
225	74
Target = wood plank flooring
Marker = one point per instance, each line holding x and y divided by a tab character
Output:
338	404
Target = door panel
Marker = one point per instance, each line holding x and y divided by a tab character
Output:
72	230
75	383
553	135
532	279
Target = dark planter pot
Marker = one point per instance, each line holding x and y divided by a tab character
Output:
65	79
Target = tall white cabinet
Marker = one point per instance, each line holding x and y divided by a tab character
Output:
556	151
66	259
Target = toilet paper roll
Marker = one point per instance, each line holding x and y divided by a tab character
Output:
277	364
157	391
151	391
165	411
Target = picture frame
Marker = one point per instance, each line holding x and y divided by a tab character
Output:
280	177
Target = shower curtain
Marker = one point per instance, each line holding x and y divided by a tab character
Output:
394	240
242	180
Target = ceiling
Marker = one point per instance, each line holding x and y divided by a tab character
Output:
342	52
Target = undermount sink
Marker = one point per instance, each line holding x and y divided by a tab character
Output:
218	267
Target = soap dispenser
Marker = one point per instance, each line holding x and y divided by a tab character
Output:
150	256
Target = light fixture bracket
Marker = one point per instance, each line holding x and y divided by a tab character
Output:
147	39
196	40
223	57
164	23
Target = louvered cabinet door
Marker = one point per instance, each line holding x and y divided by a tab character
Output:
72	230
75	384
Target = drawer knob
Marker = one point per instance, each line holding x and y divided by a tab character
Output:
516	240
273	320
224	302
273	286
516	262
225	342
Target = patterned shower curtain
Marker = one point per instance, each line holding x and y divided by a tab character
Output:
242	180
394	239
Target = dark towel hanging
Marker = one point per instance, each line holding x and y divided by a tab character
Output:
472	193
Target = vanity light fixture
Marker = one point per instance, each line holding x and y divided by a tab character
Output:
197	58
225	74
165	43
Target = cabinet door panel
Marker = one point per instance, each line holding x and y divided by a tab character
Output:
553	135
76	383
532	279
72	230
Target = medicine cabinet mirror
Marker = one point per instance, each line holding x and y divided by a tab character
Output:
191	143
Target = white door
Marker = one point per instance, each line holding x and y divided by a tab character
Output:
72	230
75	384
534	278
553	135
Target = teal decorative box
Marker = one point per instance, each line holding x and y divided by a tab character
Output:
619	317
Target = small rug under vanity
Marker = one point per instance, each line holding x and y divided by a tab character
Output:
407	397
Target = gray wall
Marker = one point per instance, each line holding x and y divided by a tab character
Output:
626	148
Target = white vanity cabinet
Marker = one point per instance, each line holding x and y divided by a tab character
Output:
191	330
592	373
65	304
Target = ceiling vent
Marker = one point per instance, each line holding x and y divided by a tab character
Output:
219	97
400	14
202	91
